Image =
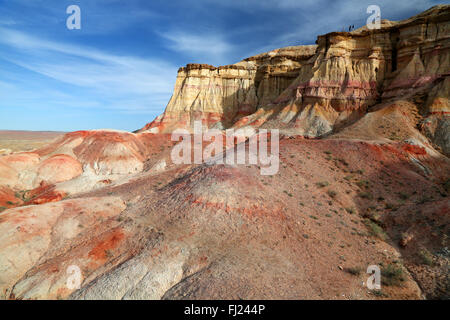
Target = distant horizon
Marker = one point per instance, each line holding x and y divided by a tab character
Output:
119	70
3	130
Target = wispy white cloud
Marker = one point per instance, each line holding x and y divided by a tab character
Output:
126	82
99	17
308	19
39	72
210	47
270	4
7	22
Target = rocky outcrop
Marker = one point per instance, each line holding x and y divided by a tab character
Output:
315	90
209	231
77	161
112	205
352	72
46	233
221	96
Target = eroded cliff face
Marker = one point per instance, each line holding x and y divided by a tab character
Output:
140	227
315	90
221	96
352	72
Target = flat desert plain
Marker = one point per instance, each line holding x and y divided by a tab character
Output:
16	141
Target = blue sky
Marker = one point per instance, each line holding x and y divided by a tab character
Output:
119	70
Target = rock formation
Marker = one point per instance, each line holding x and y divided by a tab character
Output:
314	90
221	96
363	166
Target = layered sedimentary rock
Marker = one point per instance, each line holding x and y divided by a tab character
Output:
313	90
75	162
354	71
220	96
209	231
33	234
136	226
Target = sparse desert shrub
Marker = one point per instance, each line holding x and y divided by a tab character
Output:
374	229
365	195
332	193
345	163
22	194
353	270
109	253
3	209
423	200
393	137
446	185
350	210
392	275
389	206
379	293
363	183
327	152
403	195
322	184
426	257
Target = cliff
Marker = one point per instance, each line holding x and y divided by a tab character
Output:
374	189
220	96
318	89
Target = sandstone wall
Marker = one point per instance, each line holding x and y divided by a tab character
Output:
315	90
220	96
